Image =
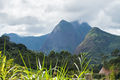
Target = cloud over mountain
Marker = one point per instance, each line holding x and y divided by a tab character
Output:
36	17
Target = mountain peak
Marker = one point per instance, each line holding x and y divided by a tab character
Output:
63	22
96	28
85	24
63	26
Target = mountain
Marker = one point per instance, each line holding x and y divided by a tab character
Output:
31	42
66	36
98	42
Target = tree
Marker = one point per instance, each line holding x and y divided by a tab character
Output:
115	52
22	47
5	38
65	54
52	54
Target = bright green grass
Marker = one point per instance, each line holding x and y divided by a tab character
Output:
11	71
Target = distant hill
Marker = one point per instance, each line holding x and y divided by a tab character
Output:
31	42
66	36
98	42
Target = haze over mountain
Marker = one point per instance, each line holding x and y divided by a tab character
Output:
66	36
98	42
31	42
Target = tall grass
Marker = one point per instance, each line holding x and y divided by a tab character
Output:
83	65
43	73
8	70
11	71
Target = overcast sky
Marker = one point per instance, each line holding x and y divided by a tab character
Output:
38	17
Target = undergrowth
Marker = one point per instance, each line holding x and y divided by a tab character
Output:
11	71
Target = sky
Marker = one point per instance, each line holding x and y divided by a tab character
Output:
39	17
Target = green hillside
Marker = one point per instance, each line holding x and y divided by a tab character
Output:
98	43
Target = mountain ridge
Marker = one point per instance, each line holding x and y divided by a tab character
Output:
31	42
98	42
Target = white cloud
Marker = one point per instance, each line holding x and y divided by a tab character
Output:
45	14
108	18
